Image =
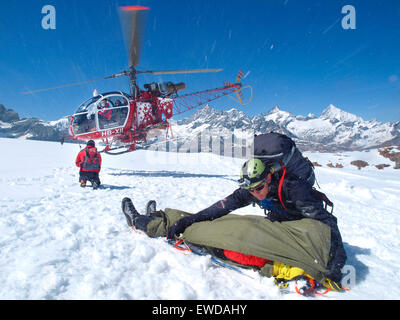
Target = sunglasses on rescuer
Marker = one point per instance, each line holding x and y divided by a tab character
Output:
258	187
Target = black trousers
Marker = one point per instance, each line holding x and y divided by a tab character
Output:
89	176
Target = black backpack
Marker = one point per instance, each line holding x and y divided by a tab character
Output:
91	161
279	149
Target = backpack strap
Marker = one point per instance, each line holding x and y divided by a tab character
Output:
285	160
325	200
280	186
86	156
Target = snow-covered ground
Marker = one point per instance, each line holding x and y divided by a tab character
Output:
59	241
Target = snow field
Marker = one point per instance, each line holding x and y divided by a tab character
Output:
60	241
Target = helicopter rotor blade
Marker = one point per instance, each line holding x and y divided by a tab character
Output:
123	73
180	71
133	19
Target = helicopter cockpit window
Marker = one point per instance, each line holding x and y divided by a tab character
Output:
84	120
84	123
87	104
112	112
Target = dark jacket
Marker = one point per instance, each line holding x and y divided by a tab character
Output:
300	201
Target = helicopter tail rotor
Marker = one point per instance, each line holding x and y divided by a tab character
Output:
239	93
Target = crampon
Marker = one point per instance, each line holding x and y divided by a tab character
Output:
309	287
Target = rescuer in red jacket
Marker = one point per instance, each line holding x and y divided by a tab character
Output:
89	162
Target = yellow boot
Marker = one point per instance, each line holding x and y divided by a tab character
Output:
286	272
332	285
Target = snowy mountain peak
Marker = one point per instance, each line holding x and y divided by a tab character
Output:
311	116
277	115
334	113
274	109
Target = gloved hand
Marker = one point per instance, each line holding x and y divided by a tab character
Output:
178	227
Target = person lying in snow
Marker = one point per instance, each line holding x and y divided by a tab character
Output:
298	236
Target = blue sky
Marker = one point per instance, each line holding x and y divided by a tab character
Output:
299	56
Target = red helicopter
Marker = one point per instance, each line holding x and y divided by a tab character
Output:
127	122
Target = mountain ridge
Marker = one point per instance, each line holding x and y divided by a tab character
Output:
334	130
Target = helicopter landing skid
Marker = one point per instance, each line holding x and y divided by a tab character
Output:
128	148
116	153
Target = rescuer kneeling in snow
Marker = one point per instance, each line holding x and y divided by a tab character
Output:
89	162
